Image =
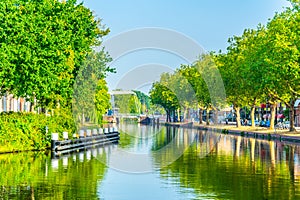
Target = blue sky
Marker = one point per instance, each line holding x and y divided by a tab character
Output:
209	22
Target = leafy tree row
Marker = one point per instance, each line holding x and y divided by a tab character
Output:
127	103
137	103
261	66
47	56
42	46
144	100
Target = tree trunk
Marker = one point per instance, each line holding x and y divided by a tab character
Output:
292	115
32	193
200	116
168	115
174	116
276	113
184	114
207	116
273	113
188	114
216	116
238	116
252	116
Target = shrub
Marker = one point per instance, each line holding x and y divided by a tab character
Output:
27	131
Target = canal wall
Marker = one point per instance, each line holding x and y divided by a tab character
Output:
244	133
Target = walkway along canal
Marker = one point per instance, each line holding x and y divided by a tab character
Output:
212	166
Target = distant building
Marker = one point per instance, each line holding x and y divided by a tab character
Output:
9	103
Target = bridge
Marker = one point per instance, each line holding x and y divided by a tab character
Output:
119	92
114	109
118	116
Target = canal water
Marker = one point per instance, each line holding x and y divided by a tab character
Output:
158	163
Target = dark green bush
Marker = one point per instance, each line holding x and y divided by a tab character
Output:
27	131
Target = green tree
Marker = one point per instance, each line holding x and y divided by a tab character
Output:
162	95
43	44
234	82
254	90
88	86
206	84
102	100
144	100
211	91
185	93
197	83
128	103
134	105
281	58
240	71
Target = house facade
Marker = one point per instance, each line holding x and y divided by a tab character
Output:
9	103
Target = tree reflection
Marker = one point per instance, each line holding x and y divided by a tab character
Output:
236	167
36	176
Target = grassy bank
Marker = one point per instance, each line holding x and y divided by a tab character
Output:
27	131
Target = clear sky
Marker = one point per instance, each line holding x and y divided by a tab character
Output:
209	22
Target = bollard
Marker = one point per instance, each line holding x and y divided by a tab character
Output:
106	149
95	132
88	155
81	157
94	153
81	134
74	157
115	130
88	132
100	131
65	135
65	162
110	130
74	135
105	130
54	164
54	138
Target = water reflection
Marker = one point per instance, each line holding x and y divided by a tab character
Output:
144	149
213	166
185	164
35	175
238	168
